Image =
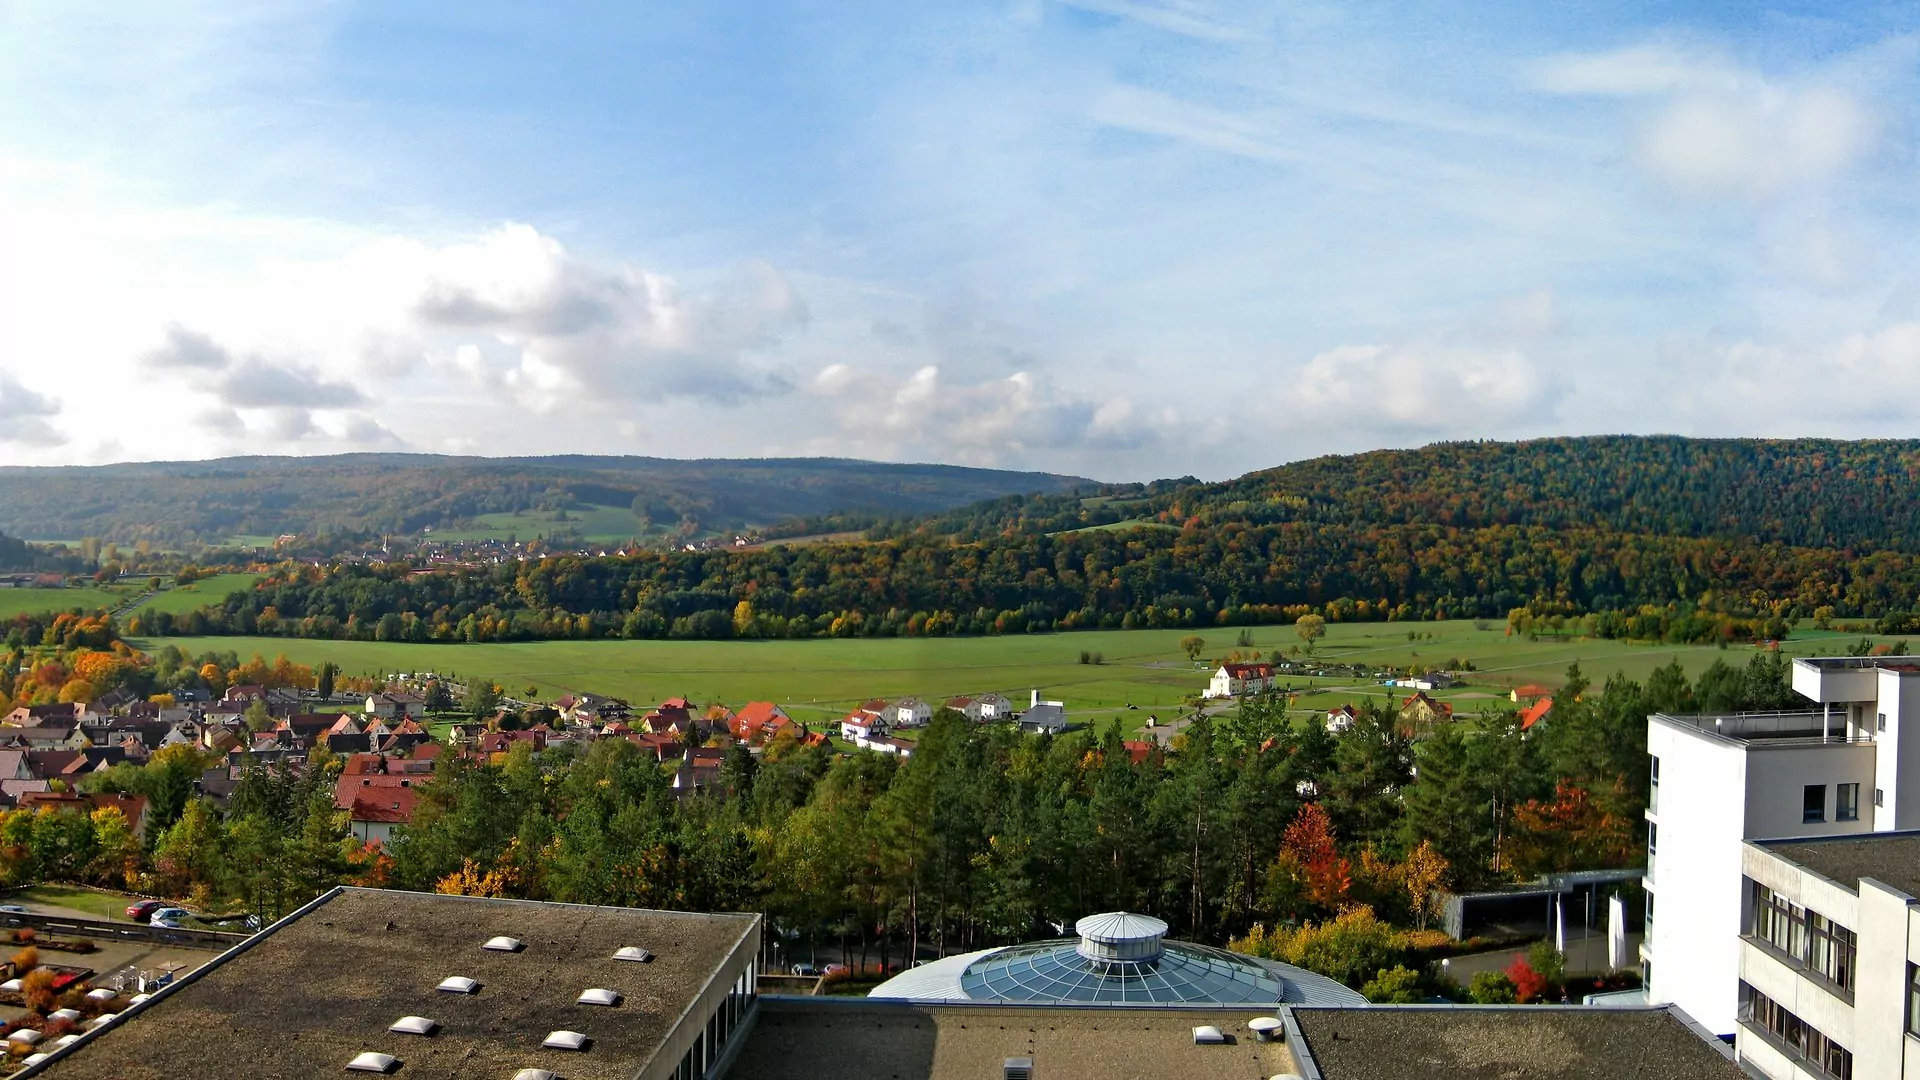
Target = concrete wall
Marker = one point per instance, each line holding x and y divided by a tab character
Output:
1897	774
1693	947
1777	773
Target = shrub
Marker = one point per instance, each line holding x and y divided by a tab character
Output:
1399	985
1491	988
1528	984
37	989
26	960
1550	962
24	936
1351	947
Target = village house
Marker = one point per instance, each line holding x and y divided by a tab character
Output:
33	715
395	705
1341	719
1231	680
982	708
131	807
1432	680
1535	713
46	735
860	725
1421	710
1527	694
910	712
758	722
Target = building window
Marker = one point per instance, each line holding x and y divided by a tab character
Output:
1647	930
1808	939
1881	723
1653	838
1913	999
1813	803
1879	797
1653	789
1794	1036
1846	802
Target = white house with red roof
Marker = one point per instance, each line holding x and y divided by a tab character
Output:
1233	679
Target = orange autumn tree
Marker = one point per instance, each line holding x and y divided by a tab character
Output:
1310	865
1575	830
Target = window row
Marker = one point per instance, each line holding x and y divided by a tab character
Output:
1825	948
1813	803
1795	1036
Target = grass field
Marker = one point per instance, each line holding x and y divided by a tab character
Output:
591	522
821	679
32	601
1121	526
178	599
100	905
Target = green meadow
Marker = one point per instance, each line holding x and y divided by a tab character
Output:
820	679
178	599
591	522
34	601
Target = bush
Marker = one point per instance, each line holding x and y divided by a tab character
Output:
1550	962
24	936
1351	947
37	989
25	960
1528	985
1492	988
1399	985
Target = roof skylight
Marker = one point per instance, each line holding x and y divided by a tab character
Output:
26	1035
65	1014
414	1025
1208	1034
372	1062
565	1040
459	984
597	996
634	953
65	1041
504	944
101	994
536	1074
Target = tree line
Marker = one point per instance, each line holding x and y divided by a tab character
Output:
1258	818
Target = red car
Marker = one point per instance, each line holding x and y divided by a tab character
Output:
142	910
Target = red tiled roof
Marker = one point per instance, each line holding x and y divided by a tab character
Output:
755	713
1249	671
393	806
1535	713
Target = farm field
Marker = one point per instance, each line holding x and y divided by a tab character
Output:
820	679
594	523
32	601
177	599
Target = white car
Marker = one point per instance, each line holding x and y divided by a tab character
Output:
172	918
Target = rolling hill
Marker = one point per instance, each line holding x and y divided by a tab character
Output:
207	502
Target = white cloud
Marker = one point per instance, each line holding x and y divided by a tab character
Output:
24	414
1185	19
1429	387
1715	128
992	421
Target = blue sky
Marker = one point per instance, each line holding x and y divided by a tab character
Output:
1121	238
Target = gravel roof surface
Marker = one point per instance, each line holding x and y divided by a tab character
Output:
1893	858
806	1039
311	994
1511	1043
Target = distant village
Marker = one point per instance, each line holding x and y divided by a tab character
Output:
46	749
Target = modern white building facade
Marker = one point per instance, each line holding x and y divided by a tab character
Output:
1717	781
1830	934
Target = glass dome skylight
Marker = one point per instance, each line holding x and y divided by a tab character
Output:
1120	957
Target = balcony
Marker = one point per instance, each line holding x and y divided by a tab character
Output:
1773	728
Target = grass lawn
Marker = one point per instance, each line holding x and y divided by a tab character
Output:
33	601
820	679
1121	526
179	599
101	905
592	522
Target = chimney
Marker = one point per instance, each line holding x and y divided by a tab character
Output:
1035	701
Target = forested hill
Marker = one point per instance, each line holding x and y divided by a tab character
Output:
1814	493
208	501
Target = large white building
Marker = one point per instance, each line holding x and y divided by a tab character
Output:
1830	935
1717	781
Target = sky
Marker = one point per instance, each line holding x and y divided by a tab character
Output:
1123	239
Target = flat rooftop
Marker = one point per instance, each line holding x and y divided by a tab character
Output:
868	1039
303	998
1810	726
1456	1042
1893	858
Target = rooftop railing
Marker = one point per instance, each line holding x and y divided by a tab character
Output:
1806	726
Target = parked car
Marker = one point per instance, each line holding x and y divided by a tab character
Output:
804	970
837	971
14	909
173	918
142	910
